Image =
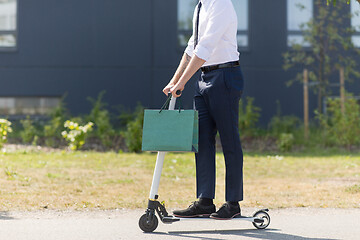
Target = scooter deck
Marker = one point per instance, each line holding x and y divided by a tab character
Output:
170	219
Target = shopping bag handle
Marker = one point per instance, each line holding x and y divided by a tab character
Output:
166	104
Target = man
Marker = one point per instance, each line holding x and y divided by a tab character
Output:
213	48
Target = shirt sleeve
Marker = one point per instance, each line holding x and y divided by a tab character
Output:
219	21
190	47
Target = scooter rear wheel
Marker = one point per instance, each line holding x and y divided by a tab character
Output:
264	216
148	226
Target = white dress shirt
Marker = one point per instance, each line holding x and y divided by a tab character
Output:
217	38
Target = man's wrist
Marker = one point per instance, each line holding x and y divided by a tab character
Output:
181	82
172	83
174	80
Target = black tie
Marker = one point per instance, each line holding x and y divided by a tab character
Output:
196	40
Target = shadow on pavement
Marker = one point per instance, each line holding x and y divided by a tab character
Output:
5	216
253	233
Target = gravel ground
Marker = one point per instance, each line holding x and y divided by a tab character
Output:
10	148
298	224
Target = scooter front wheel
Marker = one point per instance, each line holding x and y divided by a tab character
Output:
148	226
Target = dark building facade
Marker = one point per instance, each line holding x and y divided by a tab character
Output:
130	49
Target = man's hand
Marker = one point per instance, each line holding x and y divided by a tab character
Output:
166	89
179	86
185	71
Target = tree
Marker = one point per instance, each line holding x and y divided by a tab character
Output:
334	1
331	48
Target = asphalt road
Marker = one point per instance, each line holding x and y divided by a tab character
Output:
298	224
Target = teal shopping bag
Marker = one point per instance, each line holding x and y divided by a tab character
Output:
170	130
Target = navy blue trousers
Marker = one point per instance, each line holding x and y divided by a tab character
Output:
217	96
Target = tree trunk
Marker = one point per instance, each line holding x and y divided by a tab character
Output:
321	84
321	62
319	102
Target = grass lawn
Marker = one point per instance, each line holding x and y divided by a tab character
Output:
83	180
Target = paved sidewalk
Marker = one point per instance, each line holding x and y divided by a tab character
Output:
297	224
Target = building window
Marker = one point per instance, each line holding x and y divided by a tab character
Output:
8	24
28	105
185	17
242	11
299	12
355	22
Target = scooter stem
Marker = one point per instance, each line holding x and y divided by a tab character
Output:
159	164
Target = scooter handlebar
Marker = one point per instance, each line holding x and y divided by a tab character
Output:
178	92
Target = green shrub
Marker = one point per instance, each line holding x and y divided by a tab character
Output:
283	124
287	129
341	129
50	133
125	117
5	129
29	132
285	142
133	132
100	116
76	134
53	130
248	117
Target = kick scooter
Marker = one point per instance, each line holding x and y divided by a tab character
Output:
149	222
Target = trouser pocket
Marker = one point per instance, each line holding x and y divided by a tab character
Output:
233	79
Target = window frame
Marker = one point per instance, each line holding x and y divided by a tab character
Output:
298	33
12	32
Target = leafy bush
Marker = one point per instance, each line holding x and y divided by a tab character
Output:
341	129
125	117
29	132
283	124
76	134
5	128
248	117
285	142
133	132
100	116
53	130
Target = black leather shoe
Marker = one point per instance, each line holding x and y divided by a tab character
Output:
195	210
226	212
